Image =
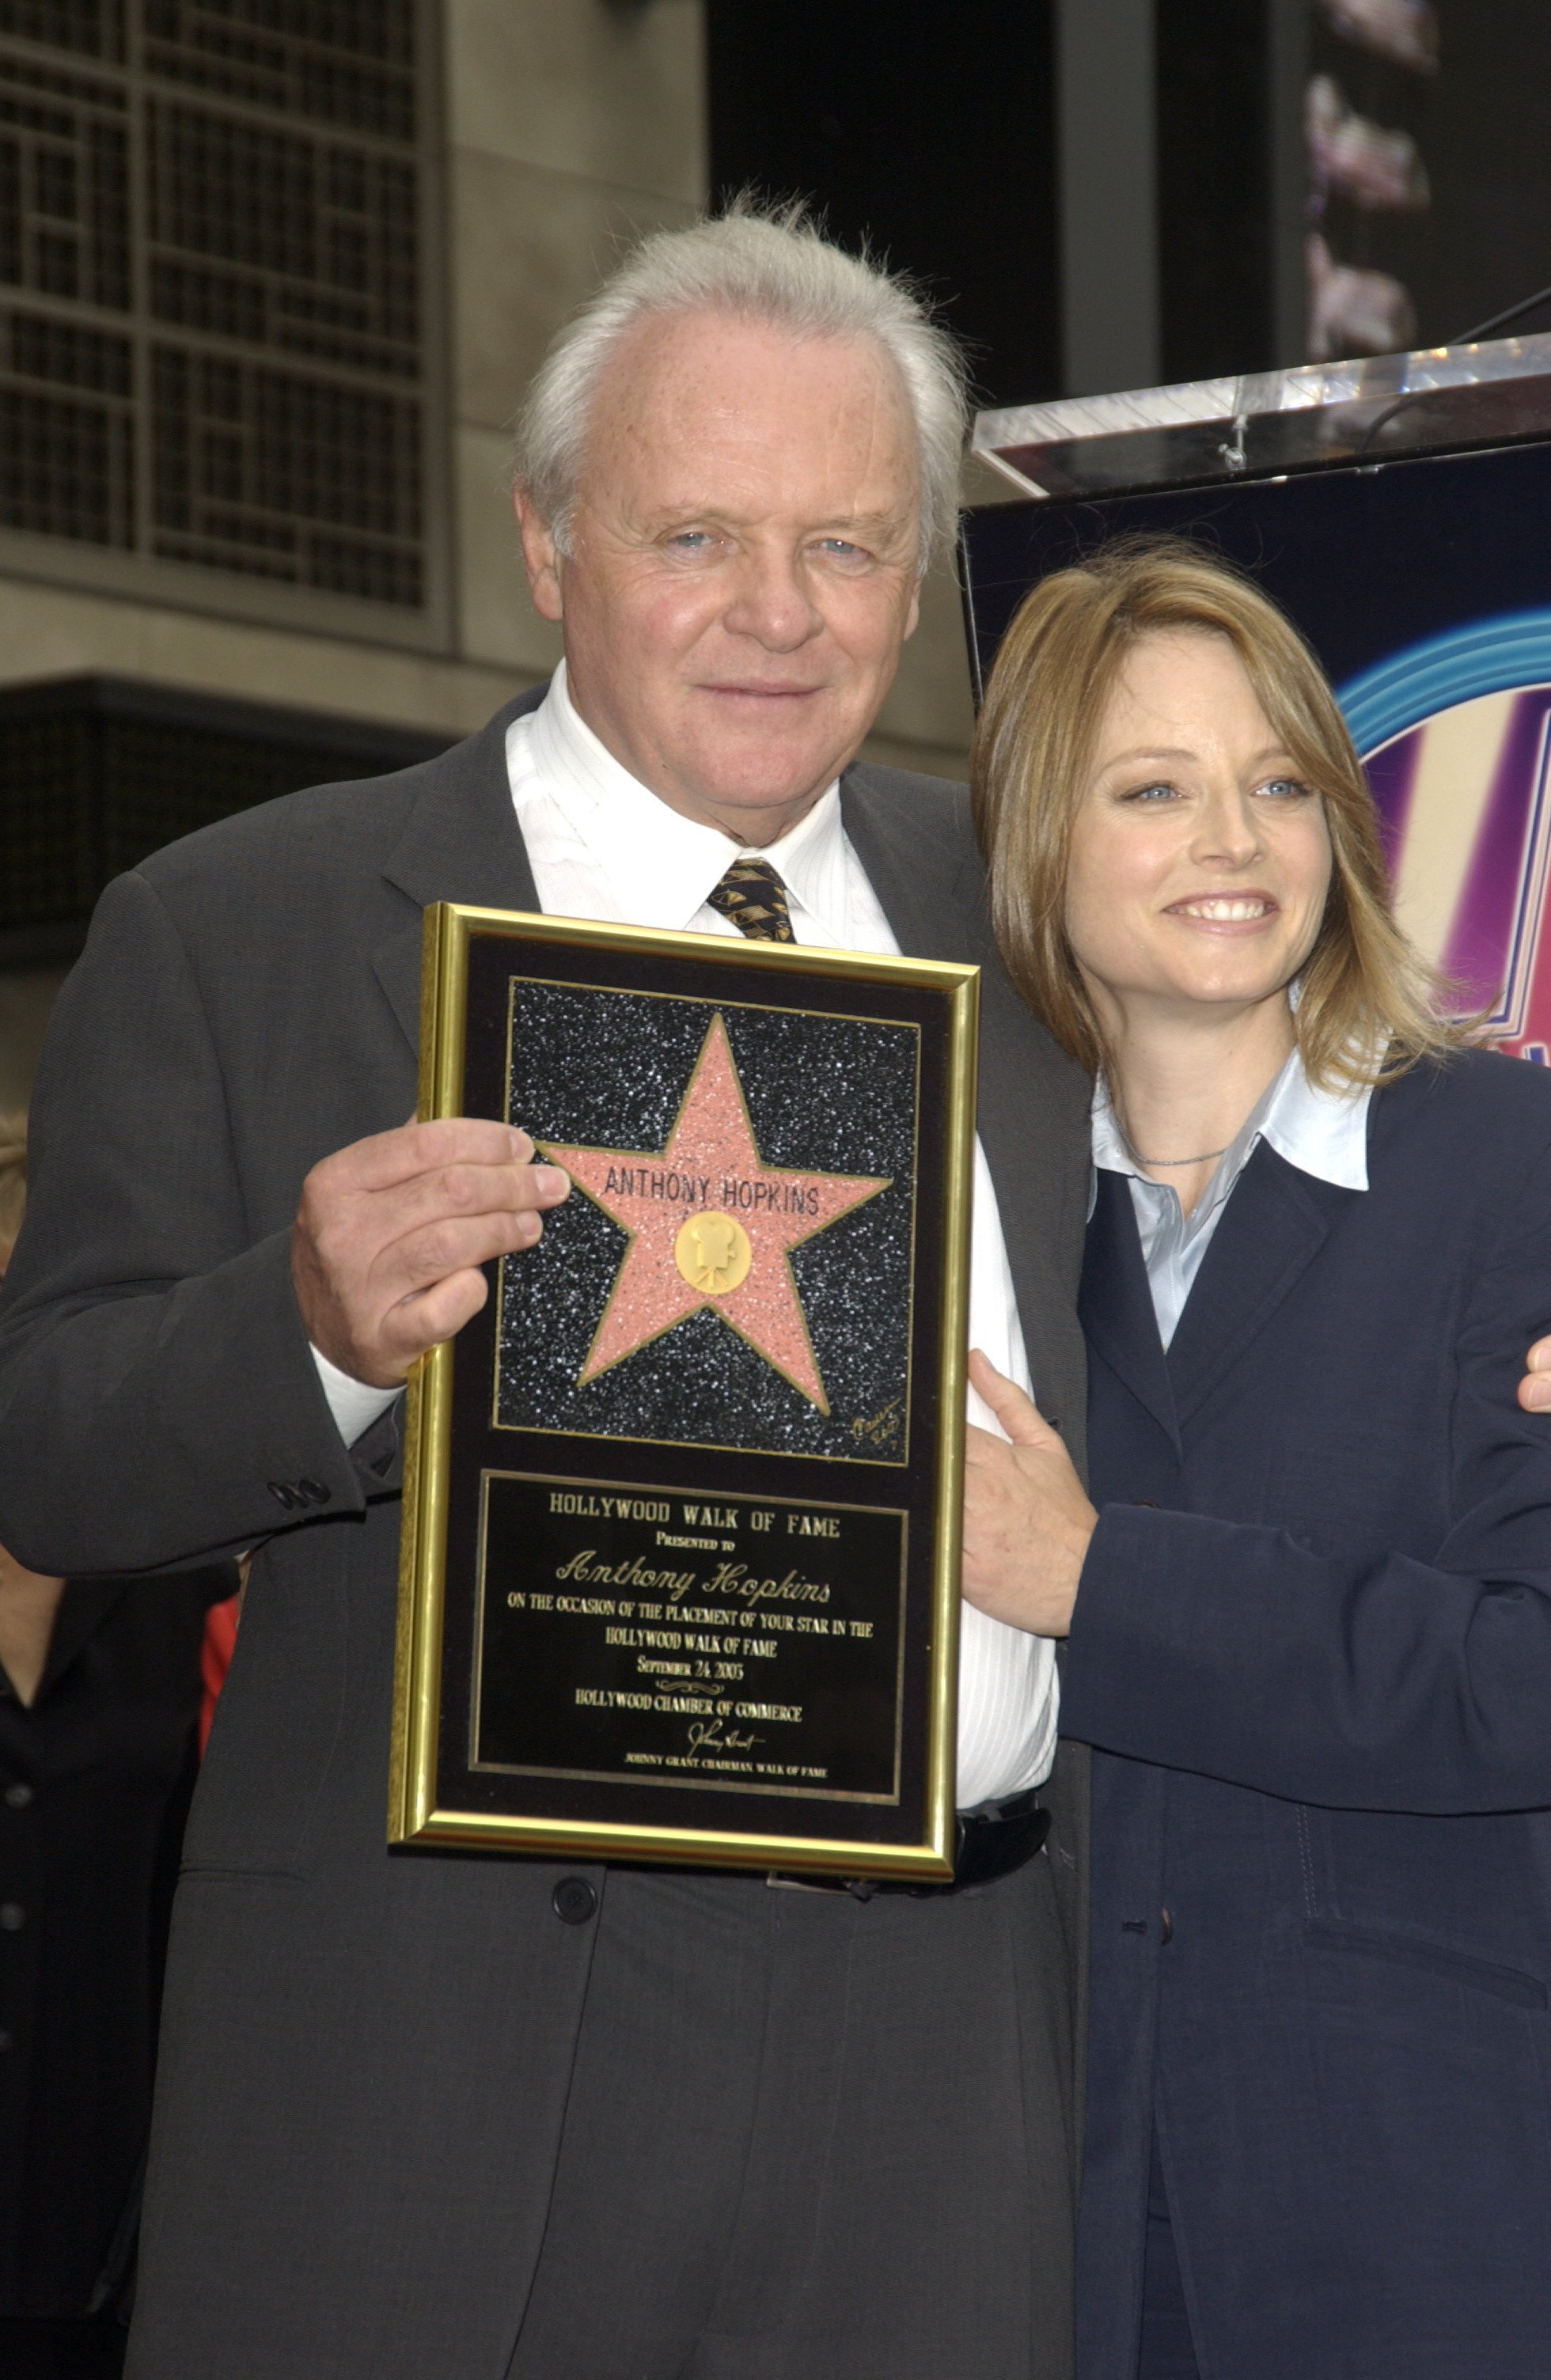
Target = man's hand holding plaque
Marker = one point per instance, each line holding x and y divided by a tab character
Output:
393	1232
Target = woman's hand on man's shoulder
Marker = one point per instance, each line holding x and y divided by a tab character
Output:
1535	1389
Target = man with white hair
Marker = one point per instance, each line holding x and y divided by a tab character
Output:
454	2118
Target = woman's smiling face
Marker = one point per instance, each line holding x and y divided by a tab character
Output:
1199	860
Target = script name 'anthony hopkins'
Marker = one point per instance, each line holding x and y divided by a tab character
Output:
730	1579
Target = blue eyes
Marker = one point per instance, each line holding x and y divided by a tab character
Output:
704	540
1276	789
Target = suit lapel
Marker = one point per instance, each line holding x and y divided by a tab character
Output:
461	843
1116	1306
925	883
1270	1230
1034	1128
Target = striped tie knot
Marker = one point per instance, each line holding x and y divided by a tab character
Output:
753	894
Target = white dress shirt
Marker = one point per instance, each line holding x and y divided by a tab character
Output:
1322	1133
603	846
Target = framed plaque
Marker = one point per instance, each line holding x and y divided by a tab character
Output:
682	1503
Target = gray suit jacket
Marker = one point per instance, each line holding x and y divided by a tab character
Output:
338	2031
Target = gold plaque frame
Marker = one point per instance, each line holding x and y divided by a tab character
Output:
440	1794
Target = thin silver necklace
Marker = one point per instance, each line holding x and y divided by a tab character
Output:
1205	1158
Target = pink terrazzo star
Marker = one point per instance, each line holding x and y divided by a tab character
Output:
710	1224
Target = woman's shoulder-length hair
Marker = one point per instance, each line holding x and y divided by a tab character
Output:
1367	1008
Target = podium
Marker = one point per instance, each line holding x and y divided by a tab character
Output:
1398	509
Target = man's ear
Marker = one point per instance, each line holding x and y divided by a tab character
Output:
541	557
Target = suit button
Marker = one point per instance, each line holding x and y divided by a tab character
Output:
573	1901
18	1796
1165	1926
283	1494
314	1490
13	1917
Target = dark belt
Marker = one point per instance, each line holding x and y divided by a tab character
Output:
990	1843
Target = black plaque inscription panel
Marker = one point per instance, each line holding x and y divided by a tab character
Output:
680	1576
702	1639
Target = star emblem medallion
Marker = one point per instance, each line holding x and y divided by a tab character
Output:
711	1225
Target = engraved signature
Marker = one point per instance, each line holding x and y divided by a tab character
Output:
883	1426
711	1735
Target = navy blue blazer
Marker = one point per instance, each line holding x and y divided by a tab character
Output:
1313	1644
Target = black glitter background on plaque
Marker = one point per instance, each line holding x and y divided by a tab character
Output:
835	1094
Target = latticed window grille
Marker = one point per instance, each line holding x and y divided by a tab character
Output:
210	337
100	770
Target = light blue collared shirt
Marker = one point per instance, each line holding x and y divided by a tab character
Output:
1322	1133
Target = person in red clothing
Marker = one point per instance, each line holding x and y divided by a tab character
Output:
215	1654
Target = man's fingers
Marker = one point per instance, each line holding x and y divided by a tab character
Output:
352	1225
449	1245
408	1215
388	1158
1017	1413
431	1314
452	1191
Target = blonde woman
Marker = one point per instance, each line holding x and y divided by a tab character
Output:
1309	1602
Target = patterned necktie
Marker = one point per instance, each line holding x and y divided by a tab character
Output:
754	896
